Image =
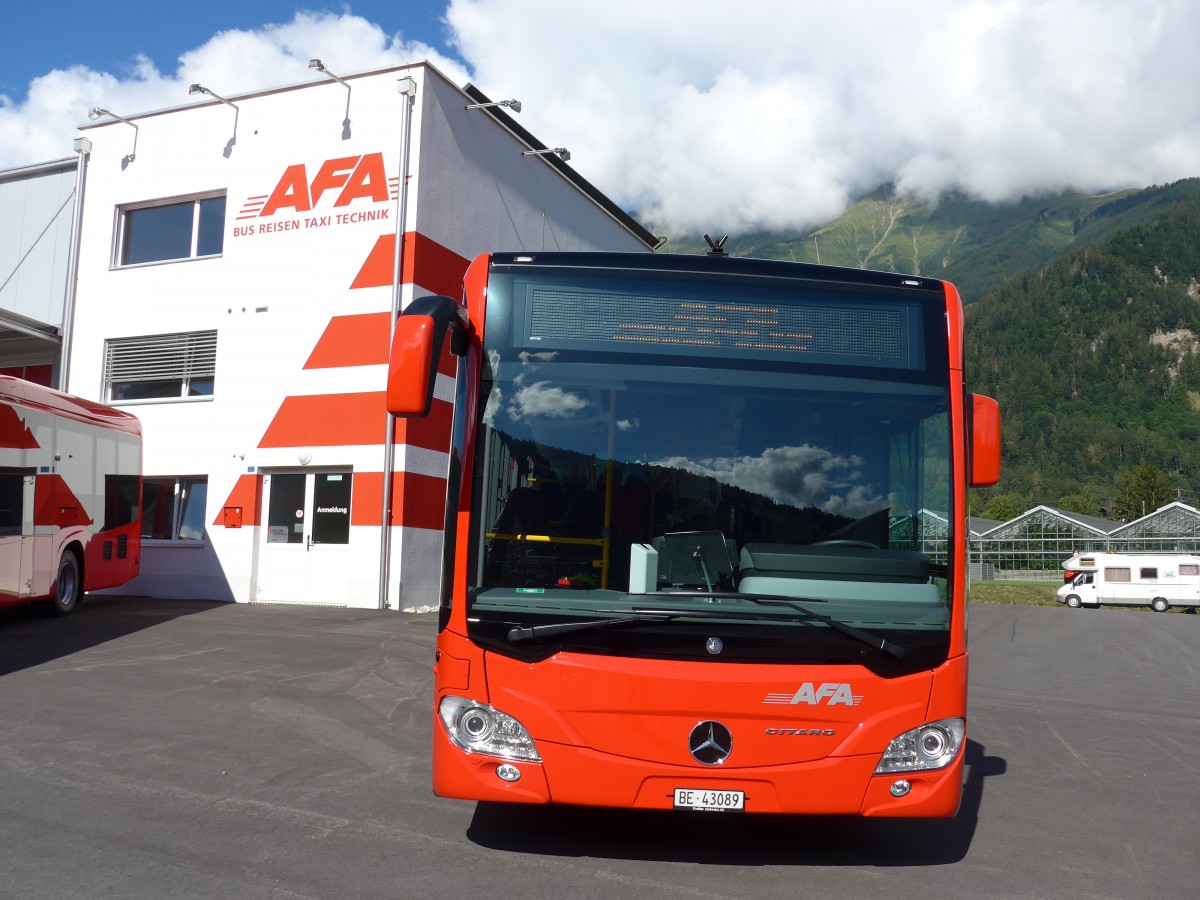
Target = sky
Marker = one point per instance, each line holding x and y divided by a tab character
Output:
695	115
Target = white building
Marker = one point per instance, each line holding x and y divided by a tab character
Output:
236	283
36	211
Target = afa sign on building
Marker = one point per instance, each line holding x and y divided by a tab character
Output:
237	282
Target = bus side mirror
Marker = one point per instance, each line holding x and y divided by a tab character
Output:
983	437
416	349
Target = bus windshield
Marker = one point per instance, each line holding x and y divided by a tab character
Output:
632	485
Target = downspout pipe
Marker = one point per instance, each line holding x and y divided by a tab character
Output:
83	147
407	87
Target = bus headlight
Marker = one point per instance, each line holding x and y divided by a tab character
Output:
479	728
932	746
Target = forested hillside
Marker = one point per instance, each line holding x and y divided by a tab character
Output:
974	244
1085	326
1095	360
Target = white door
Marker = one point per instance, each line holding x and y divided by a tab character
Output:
304	555
17	538
14	568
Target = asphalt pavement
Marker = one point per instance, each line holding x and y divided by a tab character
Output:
156	749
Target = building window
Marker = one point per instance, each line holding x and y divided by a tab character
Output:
171	231
177	366
173	508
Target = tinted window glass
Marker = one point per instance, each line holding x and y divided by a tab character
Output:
145	390
120	500
212	226
331	508
12	496
158	508
191	520
285	512
201	387
158	233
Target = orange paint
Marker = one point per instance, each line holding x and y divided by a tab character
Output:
328	420
432	432
247	494
360	340
410	380
418	501
426	263
570	702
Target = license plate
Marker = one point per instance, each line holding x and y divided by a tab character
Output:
709	800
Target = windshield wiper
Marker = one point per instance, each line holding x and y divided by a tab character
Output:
520	633
863	637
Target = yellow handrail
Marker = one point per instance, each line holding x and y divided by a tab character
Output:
547	539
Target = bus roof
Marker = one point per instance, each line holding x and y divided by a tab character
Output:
710	264
17	392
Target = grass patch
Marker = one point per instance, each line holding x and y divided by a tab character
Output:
1041	593
1015	593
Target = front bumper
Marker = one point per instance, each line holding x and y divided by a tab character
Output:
584	777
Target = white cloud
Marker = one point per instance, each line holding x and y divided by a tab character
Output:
707	117
802	476
719	118
43	126
544	400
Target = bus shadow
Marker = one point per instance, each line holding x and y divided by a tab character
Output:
29	637
734	840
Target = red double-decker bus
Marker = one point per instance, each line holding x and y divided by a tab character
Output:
706	535
70	496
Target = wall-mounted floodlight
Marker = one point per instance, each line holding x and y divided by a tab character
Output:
201	89
320	67
561	152
514	105
97	111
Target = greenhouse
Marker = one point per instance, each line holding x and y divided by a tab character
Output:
1172	529
1033	546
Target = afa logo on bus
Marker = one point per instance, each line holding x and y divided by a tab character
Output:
828	693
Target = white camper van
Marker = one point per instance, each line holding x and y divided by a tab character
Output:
1157	580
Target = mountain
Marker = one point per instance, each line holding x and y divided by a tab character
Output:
1095	360
1083	322
976	245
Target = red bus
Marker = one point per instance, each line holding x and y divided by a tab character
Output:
696	552
70	496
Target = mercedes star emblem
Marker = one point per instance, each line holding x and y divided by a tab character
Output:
710	743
